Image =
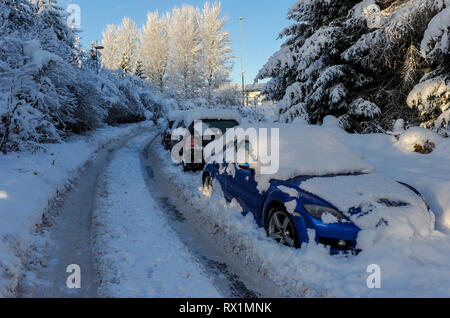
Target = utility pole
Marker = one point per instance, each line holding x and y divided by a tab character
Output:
242	64
97	47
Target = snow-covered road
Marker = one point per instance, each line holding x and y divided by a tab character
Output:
123	226
136	251
154	233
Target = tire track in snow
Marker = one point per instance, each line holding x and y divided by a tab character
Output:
69	238
211	258
137	253
233	272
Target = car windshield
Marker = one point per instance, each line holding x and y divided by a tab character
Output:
223	125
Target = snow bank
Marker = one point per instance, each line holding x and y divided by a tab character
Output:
29	181
175	115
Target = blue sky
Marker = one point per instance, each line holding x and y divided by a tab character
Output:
264	20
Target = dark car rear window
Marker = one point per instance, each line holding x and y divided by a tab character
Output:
223	125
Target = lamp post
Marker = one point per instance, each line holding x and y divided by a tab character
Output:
97	47
242	63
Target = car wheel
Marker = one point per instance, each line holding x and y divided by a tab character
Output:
207	184
281	228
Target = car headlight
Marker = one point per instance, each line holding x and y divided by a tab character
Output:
317	211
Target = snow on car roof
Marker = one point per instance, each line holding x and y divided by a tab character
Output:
205	114
306	150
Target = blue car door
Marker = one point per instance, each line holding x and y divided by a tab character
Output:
242	184
245	190
223	177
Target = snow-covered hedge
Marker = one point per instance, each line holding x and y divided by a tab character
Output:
49	87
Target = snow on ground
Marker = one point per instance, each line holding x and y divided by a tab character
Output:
30	181
137	252
418	267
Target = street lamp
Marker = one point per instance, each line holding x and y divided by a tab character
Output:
242	63
97	47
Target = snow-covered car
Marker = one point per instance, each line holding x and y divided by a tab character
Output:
323	190
176	120
197	122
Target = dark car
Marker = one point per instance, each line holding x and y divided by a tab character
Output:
198	122
176	120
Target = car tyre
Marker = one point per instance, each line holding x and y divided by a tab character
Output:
281	227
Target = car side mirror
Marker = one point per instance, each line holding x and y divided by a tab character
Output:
245	166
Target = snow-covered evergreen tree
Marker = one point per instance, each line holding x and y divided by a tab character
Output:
139	71
358	60
409	47
307	75
125	63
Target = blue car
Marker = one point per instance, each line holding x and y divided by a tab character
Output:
315	171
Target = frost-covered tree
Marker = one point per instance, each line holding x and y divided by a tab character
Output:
111	54
185	45
215	46
120	45
154	48
186	50
139	71
48	88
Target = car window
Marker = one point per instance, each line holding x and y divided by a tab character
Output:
222	125
250	153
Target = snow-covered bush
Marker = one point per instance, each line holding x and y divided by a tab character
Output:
418	140
49	86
